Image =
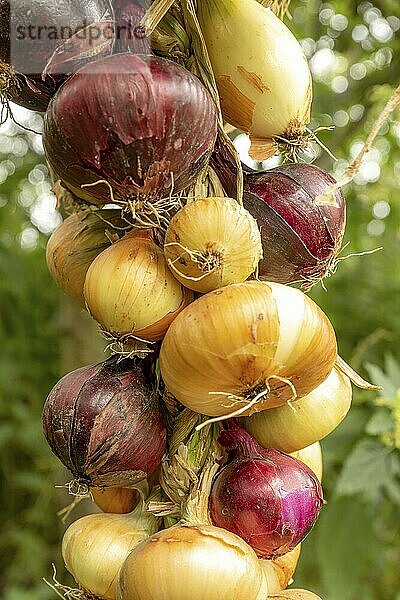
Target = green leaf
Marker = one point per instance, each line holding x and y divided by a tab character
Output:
380	422
379	377
368	470
346	549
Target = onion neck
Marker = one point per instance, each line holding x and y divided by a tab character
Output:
238	442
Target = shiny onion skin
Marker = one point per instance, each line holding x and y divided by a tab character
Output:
131	120
312	457
95	547
131	292
200	562
300	239
261	72
29	88
315	416
266	497
104	423
211	243
74	245
232	344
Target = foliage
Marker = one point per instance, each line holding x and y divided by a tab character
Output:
354	550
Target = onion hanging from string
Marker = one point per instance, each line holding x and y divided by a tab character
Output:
95	547
75	243
105	425
261	72
199	562
211	243
131	292
308	420
266	497
132	128
245	348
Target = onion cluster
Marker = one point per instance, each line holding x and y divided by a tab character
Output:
190	281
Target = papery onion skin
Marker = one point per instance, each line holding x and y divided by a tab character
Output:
27	87
131	292
266	497
104	423
199	562
247	338
224	237
262	73
300	239
95	547
310	419
144	124
74	245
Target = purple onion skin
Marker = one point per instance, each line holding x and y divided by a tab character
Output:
105	424
29	88
300	238
131	120
268	498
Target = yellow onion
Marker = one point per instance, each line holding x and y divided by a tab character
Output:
295	595
312	457
291	428
131	292
95	546
279	571
261	72
115	499
247	346
74	245
212	242
195	562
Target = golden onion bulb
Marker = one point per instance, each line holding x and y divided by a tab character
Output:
312	457
261	71
115	499
247	346
279	571
291	428
74	245
195	562
131	292
95	546
212	242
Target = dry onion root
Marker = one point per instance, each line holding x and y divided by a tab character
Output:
311	418
247	347
211	243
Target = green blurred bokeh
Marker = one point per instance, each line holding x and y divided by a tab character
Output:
354	551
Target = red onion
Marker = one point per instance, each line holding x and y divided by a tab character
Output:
32	30
141	123
268	498
105	424
301	239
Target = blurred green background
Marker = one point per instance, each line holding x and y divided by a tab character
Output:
354	551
